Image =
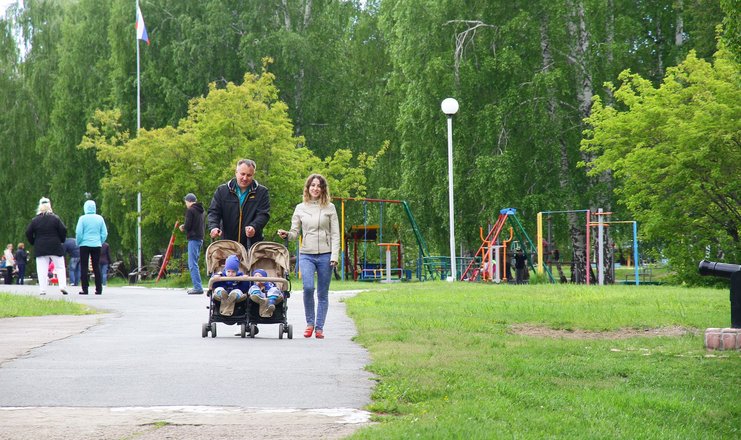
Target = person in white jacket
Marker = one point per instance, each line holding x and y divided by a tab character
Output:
316	218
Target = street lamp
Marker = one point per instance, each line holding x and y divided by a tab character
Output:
449	106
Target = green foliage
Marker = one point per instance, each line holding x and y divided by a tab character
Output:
230	123
732	26
367	77
676	150
455	361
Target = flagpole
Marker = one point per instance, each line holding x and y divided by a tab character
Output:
138	126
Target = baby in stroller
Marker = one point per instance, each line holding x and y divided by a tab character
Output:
229	292
263	271
265	294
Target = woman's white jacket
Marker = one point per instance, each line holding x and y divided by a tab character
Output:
319	226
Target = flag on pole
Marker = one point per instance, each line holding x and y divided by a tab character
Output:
141	30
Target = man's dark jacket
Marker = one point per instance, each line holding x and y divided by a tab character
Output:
46	233
226	214
21	257
194	222
71	248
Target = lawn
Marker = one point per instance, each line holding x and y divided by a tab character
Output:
12	306
547	361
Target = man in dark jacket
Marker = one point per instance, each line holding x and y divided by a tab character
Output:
239	211
240	208
520	261
193	228
71	249
21	258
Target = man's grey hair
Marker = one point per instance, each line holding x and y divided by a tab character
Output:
249	162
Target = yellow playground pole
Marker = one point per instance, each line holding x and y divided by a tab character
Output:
342	241
540	243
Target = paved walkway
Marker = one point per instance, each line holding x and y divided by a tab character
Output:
143	371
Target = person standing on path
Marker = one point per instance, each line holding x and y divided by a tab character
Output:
21	258
71	249
9	256
46	233
91	233
193	228
105	261
240	208
317	219
520	260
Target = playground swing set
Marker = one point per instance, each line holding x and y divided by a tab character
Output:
601	223
489	263
358	237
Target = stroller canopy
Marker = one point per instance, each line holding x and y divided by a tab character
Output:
219	250
271	257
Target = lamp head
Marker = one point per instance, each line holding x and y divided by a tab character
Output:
449	106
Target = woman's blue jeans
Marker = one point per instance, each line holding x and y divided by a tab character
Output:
316	266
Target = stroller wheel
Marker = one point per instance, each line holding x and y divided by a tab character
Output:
243	330
204	330
253	330
290	331
213	329
280	331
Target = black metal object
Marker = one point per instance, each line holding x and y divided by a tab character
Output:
732	272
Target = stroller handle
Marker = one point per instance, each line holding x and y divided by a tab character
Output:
275	280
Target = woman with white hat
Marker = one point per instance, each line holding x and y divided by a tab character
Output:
47	233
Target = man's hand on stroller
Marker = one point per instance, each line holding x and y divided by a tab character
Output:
249	231
215	232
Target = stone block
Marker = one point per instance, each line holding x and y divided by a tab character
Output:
723	339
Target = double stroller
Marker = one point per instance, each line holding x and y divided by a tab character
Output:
274	259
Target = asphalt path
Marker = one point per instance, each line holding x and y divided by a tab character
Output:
144	360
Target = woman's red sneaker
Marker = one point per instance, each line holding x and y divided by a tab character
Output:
309	330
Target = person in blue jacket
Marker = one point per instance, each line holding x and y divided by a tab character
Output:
91	233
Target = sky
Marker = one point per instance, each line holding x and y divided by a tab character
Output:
4	5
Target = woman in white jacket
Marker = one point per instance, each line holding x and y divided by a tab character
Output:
316	218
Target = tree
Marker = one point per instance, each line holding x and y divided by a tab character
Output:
230	123
676	150
81	86
26	100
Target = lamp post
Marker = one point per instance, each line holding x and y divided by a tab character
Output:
449	106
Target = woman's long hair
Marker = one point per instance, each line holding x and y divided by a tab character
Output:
324	197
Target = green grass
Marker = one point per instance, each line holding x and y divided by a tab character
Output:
448	364
12	306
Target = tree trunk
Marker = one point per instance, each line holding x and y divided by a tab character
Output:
579	245
610	43
307	14
679	29
286	16
576	233
659	42
302	26
578	57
